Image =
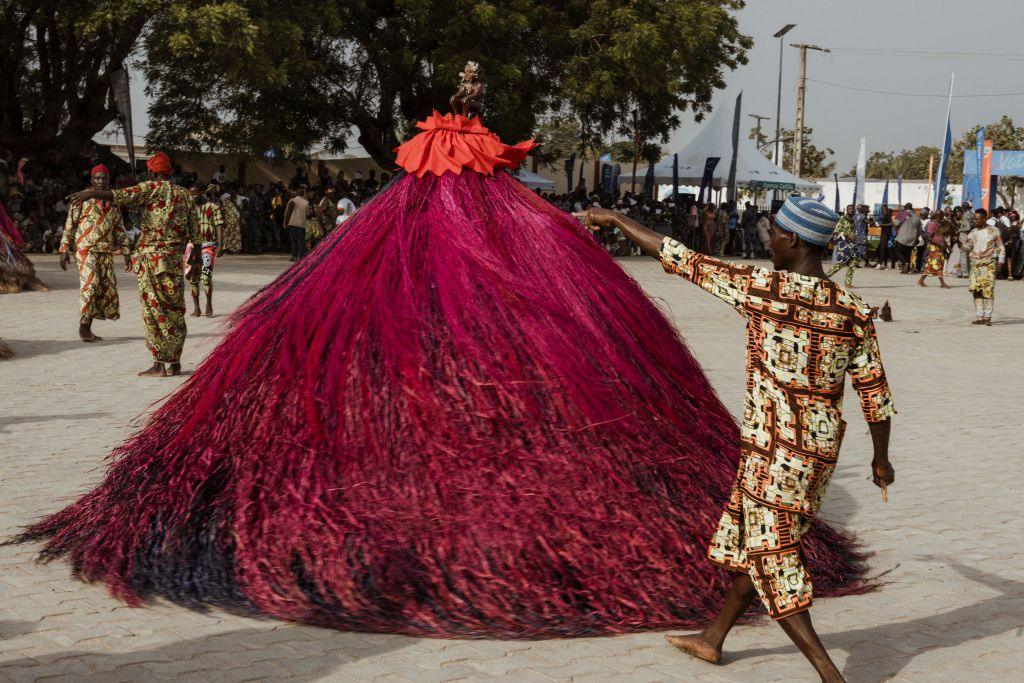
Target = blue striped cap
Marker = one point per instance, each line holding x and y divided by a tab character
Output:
811	220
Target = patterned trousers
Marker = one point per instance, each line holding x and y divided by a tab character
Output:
764	542
162	290
97	286
204	276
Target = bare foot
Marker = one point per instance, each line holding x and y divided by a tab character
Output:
196	313
209	311
696	646
945	286
175	369
156	371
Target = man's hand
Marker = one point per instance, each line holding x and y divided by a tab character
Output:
65	259
77	198
882	473
596	217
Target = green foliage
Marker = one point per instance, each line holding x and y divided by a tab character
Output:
252	75
1004	135
909	163
56	57
370	68
815	162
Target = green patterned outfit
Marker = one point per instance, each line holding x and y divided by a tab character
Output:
93	231
168	222
232	226
846	251
211	217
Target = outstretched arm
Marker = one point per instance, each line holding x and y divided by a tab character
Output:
727	281
648	240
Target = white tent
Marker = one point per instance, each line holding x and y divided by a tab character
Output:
534	181
753	170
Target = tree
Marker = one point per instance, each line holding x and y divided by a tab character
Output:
909	163
56	57
814	158
1004	135
280	75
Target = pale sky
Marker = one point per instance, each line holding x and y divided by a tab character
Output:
840	117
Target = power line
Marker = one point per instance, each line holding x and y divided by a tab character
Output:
931	54
910	94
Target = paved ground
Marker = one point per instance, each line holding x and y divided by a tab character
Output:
950	537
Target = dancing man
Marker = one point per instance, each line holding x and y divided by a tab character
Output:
985	251
94	230
804	334
845	245
168	221
209	239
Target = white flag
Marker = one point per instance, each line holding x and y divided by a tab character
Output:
861	166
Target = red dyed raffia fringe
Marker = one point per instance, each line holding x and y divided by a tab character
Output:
459	417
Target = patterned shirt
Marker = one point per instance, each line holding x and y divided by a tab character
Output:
984	244
804	334
211	217
94	225
169	218
845	228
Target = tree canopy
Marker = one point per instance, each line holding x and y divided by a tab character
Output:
1004	134
256	75
815	162
909	163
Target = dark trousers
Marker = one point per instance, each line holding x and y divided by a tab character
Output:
883	246
903	252
297	238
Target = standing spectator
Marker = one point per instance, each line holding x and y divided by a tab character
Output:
764	233
221	176
937	231
710	226
295	216
986	247
907	235
751	243
860	227
885	250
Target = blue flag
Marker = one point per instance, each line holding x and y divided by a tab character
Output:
885	194
570	166
675	177
947	143
615	178
899	190
606	178
839	209
581	183
649	182
708	178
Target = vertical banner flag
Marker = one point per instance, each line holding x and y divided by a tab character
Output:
675	177
570	166
986	176
606	178
931	177
899	190
581	183
616	171
885	194
731	192
708	179
858	192
123	100
940	177
649	182
836	177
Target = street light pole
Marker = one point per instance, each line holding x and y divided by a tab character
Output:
757	133
801	92
777	158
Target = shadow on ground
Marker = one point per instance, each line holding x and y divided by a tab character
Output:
6	422
32	348
879	653
292	652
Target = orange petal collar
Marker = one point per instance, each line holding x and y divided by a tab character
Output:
452	142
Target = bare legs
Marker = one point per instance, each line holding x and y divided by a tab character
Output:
707	645
158	370
942	281
85	331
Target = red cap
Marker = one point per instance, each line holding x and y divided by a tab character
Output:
99	168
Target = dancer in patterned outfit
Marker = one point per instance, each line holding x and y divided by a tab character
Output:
168	220
232	243
804	334
207	242
92	232
984	247
847	251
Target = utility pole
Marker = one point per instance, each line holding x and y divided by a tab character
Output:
777	157
636	146
801	92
